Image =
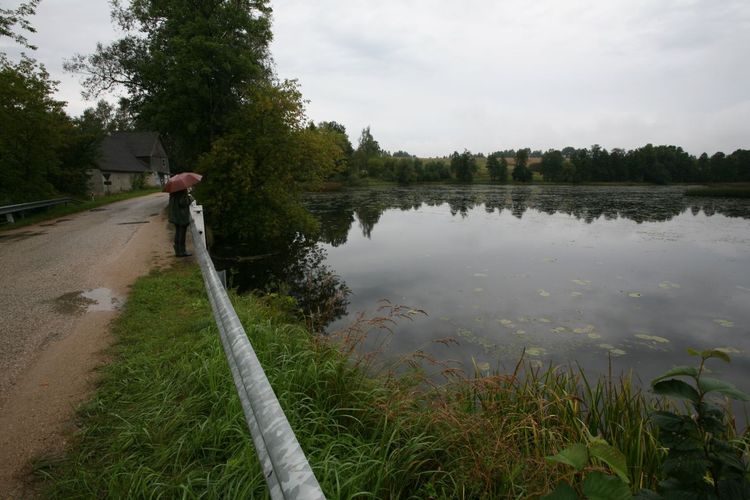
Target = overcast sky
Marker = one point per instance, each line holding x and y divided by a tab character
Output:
433	76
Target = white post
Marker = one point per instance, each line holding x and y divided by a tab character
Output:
197	213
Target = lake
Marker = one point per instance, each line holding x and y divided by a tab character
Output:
588	275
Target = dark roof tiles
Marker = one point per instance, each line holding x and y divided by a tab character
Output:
131	151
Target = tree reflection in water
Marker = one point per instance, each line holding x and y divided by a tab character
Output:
298	271
337	212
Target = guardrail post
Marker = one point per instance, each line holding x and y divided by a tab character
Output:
196	212
9	218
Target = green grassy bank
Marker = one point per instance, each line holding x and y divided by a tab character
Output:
166	421
40	215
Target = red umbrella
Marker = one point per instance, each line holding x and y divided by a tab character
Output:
182	181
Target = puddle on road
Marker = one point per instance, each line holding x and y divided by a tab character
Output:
81	302
133	222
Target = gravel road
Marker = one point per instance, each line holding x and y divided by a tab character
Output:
62	283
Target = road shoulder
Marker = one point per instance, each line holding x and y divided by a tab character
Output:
39	415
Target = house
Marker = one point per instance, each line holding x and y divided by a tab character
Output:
129	160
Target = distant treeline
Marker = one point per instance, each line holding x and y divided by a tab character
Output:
649	164
654	164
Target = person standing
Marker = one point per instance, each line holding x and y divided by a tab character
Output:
179	215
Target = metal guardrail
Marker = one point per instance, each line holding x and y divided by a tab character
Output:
287	471
9	210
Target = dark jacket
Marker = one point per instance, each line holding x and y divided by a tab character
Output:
179	208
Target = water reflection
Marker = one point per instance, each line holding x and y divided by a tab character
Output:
339	211
299	270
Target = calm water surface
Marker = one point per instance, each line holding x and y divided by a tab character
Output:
570	274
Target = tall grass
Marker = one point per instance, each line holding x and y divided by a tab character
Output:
166	422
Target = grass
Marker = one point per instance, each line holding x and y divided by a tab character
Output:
74	207
166	422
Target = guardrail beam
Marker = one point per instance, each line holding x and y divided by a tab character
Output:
287	472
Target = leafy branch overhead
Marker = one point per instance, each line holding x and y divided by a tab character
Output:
10	19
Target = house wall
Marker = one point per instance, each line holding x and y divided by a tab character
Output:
119	181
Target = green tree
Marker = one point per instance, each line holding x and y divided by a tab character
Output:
405	173
552	165
32	132
367	149
463	166
184	66
109	118
254	174
497	167
521	172
337	134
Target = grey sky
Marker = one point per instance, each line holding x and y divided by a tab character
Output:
433	76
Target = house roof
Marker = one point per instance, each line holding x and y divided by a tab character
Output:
132	152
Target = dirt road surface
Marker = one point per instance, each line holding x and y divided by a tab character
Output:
63	281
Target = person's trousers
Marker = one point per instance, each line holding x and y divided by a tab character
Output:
180	233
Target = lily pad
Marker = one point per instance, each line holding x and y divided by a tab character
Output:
613	350
463	332
559	329
536	351
480	275
543	293
724	322
652	338
584	329
581	282
593	335
549	260
666	285
519	332
478	290
505	322
635	295
444	318
544	320
576	294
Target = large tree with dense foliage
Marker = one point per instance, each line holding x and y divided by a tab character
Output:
552	165
367	150
497	167
254	173
521	172
184	66
463	166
